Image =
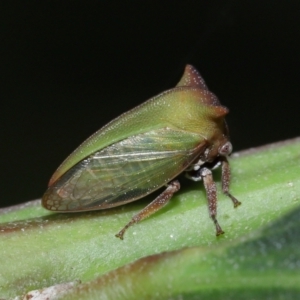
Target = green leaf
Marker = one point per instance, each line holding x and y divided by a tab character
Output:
174	254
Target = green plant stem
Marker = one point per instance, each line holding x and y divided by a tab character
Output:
174	253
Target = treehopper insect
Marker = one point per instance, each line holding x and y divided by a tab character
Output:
146	148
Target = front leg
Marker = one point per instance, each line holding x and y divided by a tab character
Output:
226	181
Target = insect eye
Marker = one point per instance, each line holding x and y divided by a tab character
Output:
225	149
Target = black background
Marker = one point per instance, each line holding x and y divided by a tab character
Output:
68	67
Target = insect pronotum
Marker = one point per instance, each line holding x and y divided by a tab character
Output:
146	148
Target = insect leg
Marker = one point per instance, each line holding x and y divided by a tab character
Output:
211	193
226	182
153	207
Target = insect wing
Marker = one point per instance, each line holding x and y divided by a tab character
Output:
189	106
124	171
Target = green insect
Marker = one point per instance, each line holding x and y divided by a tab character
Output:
146	148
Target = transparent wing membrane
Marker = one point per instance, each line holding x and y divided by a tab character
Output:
124	171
